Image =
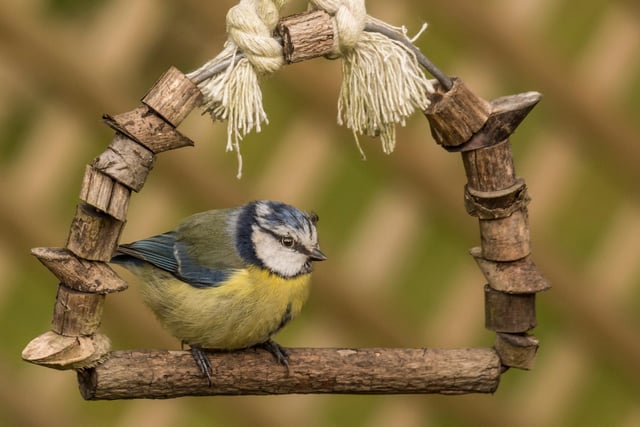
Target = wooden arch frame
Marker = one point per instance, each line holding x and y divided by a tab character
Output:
460	122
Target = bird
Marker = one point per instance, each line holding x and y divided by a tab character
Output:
228	279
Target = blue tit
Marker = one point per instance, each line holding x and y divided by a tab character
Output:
228	279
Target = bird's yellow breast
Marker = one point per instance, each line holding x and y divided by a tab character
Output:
243	311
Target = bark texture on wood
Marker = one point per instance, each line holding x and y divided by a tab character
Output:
513	313
76	313
125	161
516	350
306	35
93	235
496	204
149	129
490	168
173	96
60	352
80	274
166	374
456	115
104	193
506	239
506	114
515	277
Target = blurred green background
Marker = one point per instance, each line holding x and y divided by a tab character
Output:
394	226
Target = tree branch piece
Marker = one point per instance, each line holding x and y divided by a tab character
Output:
80	274
149	129
306	36
521	276
173	96
512	313
517	350
76	313
93	235
104	193
60	352
125	161
161	374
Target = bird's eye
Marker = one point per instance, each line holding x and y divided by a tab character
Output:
287	241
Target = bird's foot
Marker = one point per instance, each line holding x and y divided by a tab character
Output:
279	352
201	359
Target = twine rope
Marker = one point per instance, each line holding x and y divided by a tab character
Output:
382	80
234	94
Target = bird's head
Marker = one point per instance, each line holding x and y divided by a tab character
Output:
278	237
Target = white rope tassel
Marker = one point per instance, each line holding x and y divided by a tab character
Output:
382	80
234	94
382	86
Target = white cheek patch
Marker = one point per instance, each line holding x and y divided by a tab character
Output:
276	257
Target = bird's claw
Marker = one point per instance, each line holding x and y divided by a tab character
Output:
279	352
201	359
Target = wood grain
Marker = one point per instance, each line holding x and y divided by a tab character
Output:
76	313
149	129
456	115
512	313
104	193
306	35
161	374
79	274
514	277
93	235
126	161
173	96
517	350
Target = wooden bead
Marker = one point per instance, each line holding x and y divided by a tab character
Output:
80	274
505	239
61	352
104	193
76	313
456	115
516	350
496	204
173	96
125	161
513	313
149	129
507	113
490	168
93	235
514	277
306	35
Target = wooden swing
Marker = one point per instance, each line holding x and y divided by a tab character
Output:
460	122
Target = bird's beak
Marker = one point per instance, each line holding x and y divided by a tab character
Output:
317	255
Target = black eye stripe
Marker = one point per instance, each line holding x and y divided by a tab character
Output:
297	246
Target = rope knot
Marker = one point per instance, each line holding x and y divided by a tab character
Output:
382	81
250	26
349	20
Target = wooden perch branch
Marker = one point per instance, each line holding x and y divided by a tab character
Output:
158	374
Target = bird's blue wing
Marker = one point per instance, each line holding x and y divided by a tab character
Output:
156	250
169	254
